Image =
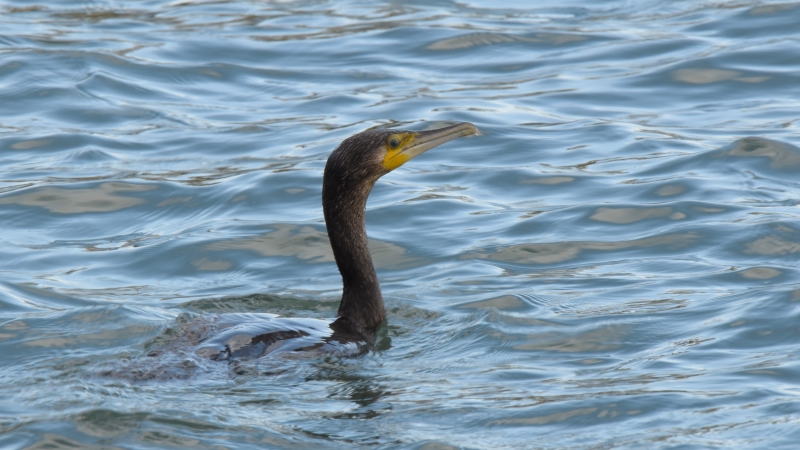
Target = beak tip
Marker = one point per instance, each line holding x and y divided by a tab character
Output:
468	129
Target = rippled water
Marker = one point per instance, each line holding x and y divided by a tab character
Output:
613	263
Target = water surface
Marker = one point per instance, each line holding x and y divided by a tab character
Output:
613	263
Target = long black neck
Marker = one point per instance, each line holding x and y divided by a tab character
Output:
344	200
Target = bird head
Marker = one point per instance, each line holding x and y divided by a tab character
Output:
367	156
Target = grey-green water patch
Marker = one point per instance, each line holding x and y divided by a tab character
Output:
691	342
174	200
104	423
51	441
303	242
33	143
703	76
772	245
760	79
651	306
544	420
550	253
707	76
90	316
310	244
16	325
103	198
781	154
670	190
513	319
602	339
208	264
210	72
706	209
163	439
481	39
504	302
773	9
629	215
108	336
16	187
124	293
261	302
101	244
760	273
548	180
250	129
608	413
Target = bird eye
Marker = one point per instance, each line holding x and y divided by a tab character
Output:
393	143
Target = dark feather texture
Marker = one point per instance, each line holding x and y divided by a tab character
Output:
350	173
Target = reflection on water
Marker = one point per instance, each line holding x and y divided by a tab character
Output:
760	273
560	252
477	39
306	243
705	76
104	198
286	240
598	340
781	155
630	215
773	245
613	263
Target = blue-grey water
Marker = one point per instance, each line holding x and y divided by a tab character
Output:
613	263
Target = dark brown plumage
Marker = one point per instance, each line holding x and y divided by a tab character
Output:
350	173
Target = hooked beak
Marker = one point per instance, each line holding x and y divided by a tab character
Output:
423	141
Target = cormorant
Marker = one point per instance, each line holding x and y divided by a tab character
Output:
350	173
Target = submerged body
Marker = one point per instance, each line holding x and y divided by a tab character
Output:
251	336
350	173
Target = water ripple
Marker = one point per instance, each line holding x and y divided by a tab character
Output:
612	263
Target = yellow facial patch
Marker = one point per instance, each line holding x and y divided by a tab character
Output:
395	144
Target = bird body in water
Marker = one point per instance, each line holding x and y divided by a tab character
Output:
350	173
